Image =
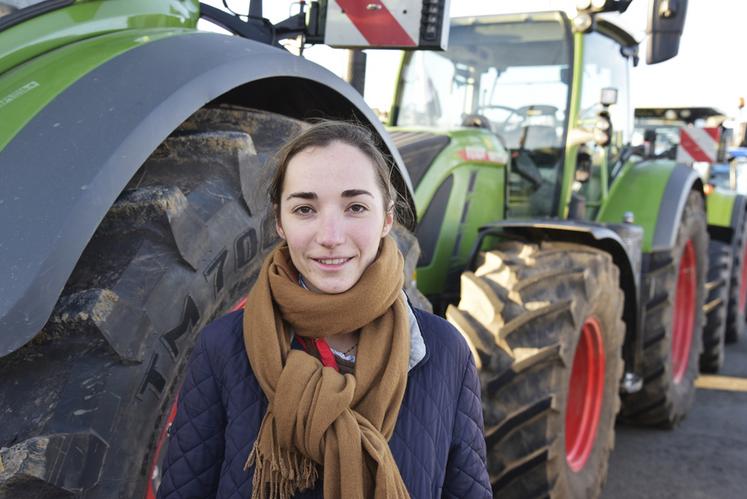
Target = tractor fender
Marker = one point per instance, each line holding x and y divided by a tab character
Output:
654	193
621	241
61	173
682	180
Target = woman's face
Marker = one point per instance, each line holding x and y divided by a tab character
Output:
332	215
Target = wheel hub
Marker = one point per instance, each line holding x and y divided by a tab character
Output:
585	394
684	312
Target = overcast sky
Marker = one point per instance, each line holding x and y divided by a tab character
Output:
709	70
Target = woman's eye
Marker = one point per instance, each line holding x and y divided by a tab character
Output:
303	210
358	208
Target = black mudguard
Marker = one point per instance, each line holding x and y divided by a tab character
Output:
621	241
682	180
63	171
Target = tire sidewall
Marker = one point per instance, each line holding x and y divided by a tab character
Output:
736	315
588	481
692	228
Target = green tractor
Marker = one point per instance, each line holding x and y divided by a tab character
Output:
575	268
133	204
706	148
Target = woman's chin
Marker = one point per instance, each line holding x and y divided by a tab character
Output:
331	286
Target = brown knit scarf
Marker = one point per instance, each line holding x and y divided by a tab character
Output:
315	415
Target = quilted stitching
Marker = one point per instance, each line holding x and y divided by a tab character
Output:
438	440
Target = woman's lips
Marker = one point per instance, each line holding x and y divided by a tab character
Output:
332	263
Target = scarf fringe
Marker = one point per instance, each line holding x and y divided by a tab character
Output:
281	474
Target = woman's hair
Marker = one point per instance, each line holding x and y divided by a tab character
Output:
322	134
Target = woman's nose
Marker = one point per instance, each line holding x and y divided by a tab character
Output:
331	231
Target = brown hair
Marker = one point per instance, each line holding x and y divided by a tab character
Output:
322	134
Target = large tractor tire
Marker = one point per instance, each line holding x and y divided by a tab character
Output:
674	315
717	295
735	316
410	248
85	405
544	324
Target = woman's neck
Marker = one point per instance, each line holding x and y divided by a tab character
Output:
346	342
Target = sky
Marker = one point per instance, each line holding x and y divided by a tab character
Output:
708	71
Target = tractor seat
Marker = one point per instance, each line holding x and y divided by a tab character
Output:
541	137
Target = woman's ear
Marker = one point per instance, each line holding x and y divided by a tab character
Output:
278	227
388	222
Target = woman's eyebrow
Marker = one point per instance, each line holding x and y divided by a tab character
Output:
302	195
351	193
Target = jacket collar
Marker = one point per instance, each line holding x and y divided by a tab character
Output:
417	344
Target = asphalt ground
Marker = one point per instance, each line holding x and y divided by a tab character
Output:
704	457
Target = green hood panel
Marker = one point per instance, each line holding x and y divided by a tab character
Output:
464	189
719	207
638	189
86	19
28	88
474	146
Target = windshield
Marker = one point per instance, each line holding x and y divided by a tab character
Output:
513	73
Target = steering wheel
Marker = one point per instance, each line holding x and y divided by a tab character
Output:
511	111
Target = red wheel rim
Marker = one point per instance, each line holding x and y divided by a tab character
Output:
156	464
684	312
743	282
585	394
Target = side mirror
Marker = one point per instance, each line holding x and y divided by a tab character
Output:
666	19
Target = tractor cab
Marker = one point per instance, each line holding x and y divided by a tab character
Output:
513	76
541	109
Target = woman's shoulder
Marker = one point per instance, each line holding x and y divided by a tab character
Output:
223	336
440	336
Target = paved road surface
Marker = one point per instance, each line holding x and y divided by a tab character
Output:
705	457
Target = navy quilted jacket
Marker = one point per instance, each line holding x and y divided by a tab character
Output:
438	440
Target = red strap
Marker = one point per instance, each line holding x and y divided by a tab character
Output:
328	358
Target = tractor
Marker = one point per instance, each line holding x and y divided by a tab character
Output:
134	167
695	136
575	267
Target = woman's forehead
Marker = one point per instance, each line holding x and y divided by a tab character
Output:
336	167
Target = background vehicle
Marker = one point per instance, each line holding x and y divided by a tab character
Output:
133	174
566	252
706	149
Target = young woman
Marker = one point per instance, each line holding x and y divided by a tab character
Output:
328	382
